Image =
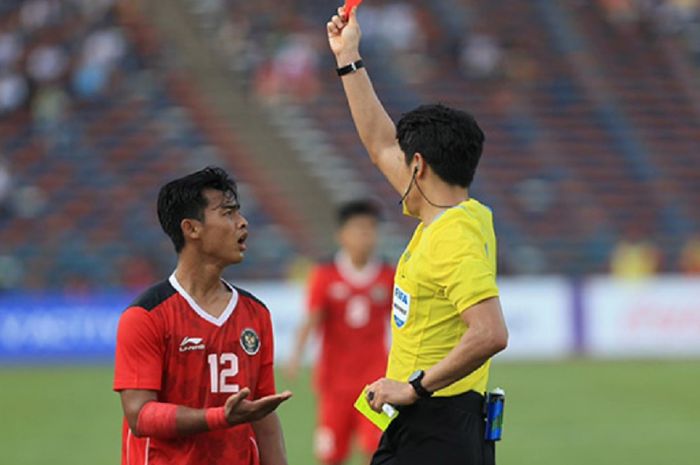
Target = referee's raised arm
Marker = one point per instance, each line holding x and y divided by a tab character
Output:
376	129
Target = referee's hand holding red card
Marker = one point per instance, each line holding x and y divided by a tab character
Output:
349	6
344	34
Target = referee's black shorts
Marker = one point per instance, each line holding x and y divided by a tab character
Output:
438	431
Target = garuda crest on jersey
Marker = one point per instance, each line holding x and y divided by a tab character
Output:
250	341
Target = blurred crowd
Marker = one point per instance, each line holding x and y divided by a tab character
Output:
274	44
679	18
58	55
43	63
277	48
667	16
636	257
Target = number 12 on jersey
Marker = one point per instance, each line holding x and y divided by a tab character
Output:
220	380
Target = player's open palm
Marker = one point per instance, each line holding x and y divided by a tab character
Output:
344	34
239	410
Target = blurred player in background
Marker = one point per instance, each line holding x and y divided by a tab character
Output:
349	302
194	353
447	321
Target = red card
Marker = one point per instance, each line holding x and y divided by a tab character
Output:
349	5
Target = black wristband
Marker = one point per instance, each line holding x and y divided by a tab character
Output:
351	68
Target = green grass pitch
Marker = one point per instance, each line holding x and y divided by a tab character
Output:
576	412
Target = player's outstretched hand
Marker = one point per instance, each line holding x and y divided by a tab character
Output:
239	410
344	34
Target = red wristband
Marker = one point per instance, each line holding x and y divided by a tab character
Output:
216	418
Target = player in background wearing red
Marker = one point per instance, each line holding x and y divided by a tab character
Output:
194	354
349	301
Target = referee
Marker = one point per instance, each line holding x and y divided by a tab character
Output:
447	321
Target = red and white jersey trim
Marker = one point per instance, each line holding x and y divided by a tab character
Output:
357	277
148	449
128	447
199	310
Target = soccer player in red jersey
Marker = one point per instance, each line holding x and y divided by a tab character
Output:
194	354
349	301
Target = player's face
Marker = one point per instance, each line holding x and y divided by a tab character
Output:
224	230
358	236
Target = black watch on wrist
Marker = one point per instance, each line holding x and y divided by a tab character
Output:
351	68
415	381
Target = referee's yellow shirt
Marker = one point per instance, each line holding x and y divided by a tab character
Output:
449	266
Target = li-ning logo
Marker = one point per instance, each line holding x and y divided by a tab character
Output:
191	343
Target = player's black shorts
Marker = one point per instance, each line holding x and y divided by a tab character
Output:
438	431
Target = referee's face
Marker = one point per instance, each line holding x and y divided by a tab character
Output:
224	230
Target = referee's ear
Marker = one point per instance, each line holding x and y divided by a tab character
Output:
420	165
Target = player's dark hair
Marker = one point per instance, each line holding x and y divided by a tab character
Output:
450	141
184	198
360	207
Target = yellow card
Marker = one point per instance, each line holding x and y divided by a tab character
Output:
380	420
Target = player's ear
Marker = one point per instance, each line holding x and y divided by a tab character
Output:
191	228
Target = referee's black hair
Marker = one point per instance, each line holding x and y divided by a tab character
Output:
359	207
450	141
183	198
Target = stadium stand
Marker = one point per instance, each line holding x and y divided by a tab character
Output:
592	118
583	152
85	173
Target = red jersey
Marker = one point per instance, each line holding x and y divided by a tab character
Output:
167	343
356	306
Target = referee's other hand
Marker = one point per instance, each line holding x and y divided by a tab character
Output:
387	391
